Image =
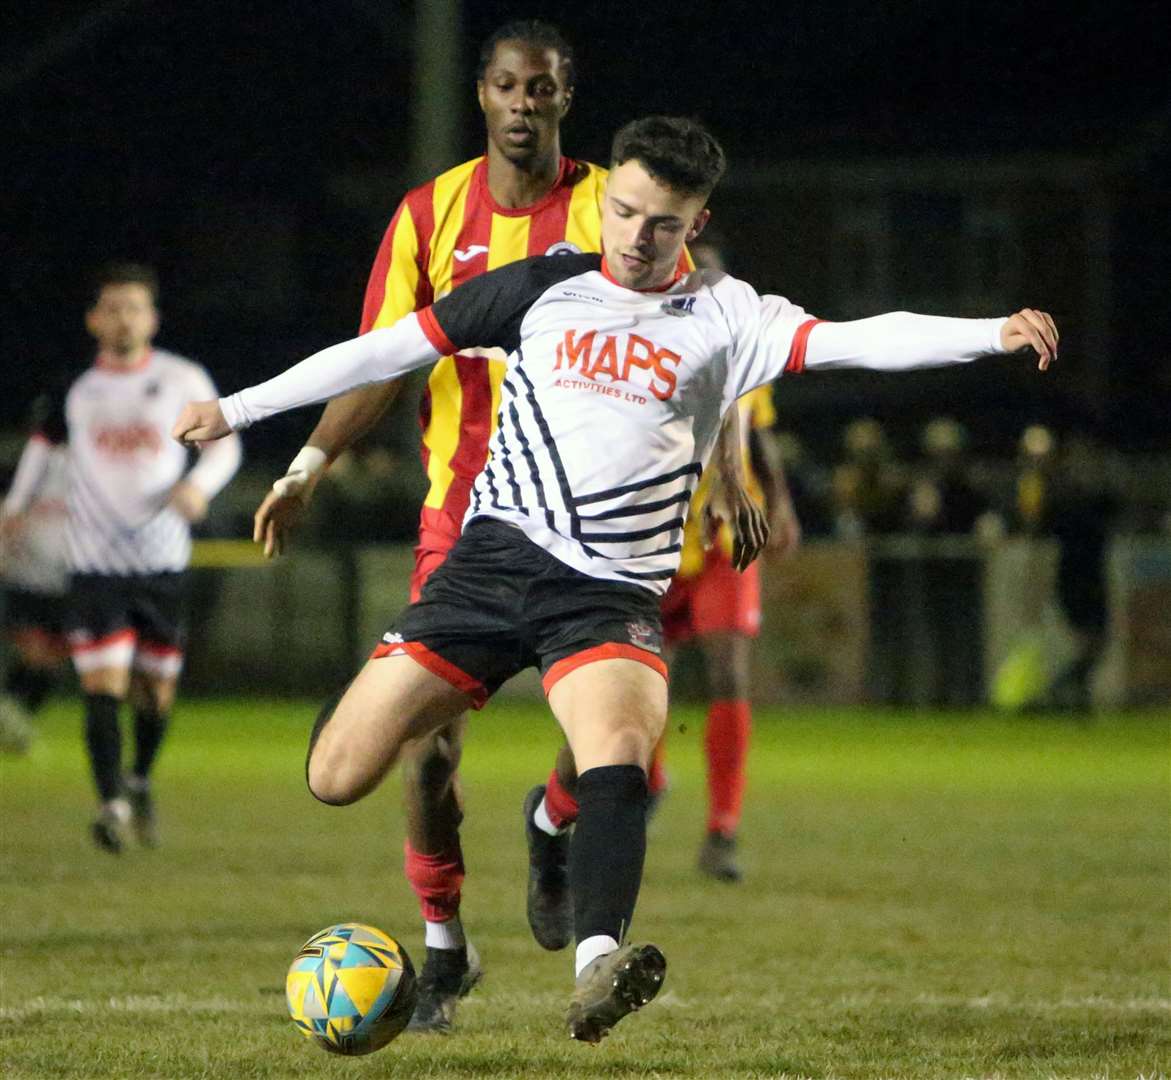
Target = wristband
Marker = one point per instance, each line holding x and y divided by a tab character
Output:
309	463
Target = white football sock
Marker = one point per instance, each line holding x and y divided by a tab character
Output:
444	935
118	809
590	949
544	822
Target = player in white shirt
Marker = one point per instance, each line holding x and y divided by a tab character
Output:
132	498
34	573
619	371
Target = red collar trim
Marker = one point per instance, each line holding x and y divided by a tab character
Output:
103	362
658	288
565	170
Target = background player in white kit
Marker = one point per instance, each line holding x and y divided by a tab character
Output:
34	572
131	500
619	372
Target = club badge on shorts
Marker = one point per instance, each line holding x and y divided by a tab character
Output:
644	636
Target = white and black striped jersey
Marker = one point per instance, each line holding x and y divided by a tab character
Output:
123	464
613	398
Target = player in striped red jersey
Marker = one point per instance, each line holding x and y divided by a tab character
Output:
522	197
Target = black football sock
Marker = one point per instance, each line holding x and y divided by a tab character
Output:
149	728
104	741
30	686
608	849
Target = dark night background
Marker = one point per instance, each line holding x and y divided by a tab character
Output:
254	154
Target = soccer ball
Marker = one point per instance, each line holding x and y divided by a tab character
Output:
351	989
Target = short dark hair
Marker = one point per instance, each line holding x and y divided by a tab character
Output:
675	150
534	32
126	273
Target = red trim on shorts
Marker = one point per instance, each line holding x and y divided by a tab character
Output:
435	333
159	650
435	664
611	650
116	638
796	362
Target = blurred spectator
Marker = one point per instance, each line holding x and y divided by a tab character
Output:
869	487
1066	495
809	486
942	499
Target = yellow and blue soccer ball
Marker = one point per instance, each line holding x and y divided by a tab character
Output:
351	989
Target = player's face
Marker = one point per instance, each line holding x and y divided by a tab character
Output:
645	225
523	97
123	321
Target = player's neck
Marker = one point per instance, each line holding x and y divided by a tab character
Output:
518	184
124	360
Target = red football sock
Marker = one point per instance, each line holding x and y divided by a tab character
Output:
726	742
436	880
656	776
559	804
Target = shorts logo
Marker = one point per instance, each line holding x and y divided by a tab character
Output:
392	639
563	247
643	635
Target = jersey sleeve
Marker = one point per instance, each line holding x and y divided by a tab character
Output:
769	336
398	282
30	474
485	311
489	309
772	336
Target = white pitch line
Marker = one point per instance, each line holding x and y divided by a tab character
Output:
170	1003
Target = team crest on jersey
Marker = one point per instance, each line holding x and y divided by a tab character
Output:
563	247
679	305
643	635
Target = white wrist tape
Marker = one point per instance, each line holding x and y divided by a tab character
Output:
307	466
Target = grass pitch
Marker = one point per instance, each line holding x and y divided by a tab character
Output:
925	897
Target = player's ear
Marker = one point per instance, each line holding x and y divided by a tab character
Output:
480	94
566	100
697	225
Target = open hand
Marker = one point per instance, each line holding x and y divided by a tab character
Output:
745	517
281	512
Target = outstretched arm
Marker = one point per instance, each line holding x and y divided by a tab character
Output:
774	337
376	357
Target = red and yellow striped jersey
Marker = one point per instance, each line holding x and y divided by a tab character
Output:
443	233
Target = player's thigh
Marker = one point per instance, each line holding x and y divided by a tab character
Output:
612	712
392	700
111	681
727	658
155	693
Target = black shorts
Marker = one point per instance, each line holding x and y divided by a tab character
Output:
500	604
25	610
139	616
